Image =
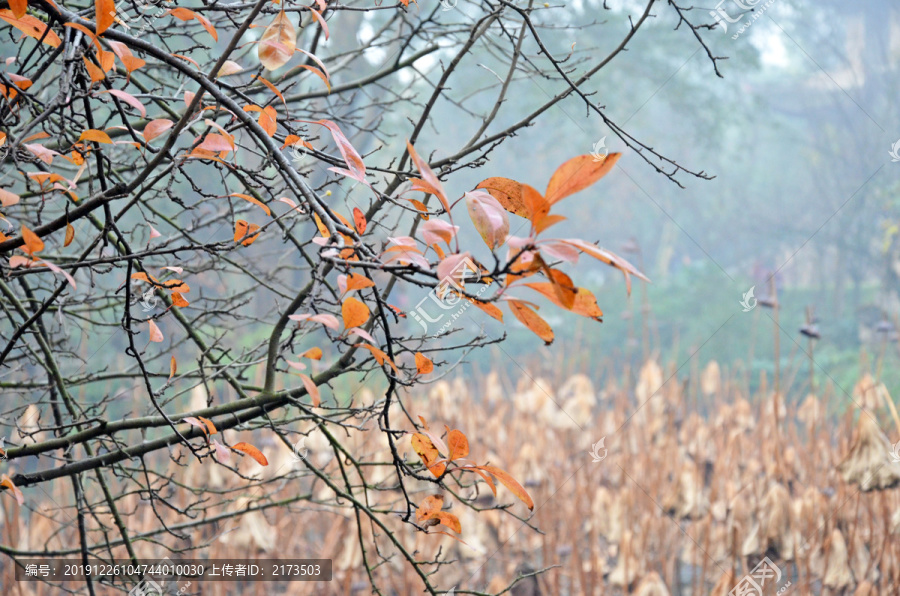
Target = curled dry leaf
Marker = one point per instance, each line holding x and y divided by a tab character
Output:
252	452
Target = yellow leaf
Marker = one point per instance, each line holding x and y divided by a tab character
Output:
173	367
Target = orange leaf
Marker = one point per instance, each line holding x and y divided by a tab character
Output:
209	425
354	312
173	367
240	229
577	174
32	27
532	320
585	302
105	14
8	483
429	514
355	281
179	301
33	242
183	14
252	452
510	483
457	443
312	354
262	205
155	334
156	127
70	234
422	445
19	7
359	220
275	90
379	355
423	364
252	235
195	422
278	42
517	198
98	136
268	120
